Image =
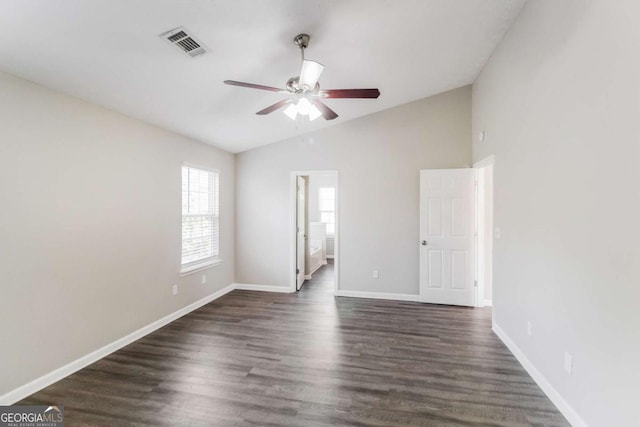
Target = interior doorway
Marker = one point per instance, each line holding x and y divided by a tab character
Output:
456	235
314	252
484	231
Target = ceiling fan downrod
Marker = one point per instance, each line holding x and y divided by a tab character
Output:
307	81
302	41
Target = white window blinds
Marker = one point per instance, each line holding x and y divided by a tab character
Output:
200	217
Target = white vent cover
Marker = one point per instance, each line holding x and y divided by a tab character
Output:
184	40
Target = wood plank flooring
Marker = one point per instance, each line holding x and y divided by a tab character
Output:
309	359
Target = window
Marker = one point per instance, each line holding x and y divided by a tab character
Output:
200	218
327	204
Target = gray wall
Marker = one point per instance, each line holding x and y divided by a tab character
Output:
90	228
560	103
378	158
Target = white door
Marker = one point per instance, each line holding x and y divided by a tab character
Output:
446	236
301	221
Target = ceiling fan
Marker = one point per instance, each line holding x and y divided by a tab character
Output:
306	95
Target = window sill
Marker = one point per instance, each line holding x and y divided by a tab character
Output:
199	267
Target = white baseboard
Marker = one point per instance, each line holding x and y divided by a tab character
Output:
309	276
262	288
377	295
330	256
39	383
569	413
488	303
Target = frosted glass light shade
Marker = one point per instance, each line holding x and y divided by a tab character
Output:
310	73
304	108
291	111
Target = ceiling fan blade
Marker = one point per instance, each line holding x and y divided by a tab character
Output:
349	93
327	112
254	86
310	73
274	107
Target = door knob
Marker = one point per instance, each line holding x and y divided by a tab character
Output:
424	243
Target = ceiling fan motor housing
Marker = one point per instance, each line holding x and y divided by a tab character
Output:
302	40
294	86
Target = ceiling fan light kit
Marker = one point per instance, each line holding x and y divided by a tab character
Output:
304	108
305	90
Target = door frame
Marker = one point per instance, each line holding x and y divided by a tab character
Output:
482	258
301	261
293	200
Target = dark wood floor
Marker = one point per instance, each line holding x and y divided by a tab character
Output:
309	359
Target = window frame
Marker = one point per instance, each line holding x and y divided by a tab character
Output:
214	194
332	212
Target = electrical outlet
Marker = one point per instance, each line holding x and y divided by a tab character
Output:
174	289
529	329
375	274
568	363
204	279
497	233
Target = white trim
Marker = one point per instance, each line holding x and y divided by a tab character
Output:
196	166
199	267
487	161
336	239
293	197
308	276
482	257
479	241
329	256
378	295
38	384
262	288
488	303
563	406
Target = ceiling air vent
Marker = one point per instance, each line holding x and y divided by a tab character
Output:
187	43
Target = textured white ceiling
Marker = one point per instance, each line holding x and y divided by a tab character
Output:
108	52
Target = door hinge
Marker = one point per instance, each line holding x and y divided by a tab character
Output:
475	283
297	271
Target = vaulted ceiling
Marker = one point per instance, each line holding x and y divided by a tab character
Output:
109	52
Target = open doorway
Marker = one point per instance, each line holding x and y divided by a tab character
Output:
484	231
314	231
